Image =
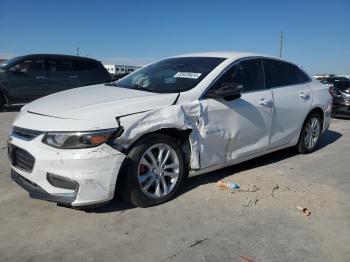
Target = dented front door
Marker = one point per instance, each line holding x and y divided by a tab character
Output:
232	129
236	128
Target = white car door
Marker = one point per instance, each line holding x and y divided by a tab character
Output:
292	98
238	127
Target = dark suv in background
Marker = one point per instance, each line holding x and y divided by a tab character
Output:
26	78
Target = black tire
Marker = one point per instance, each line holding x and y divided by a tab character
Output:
2	101
129	187
301	147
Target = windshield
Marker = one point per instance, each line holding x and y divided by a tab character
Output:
10	62
171	75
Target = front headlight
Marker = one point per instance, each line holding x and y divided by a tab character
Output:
74	140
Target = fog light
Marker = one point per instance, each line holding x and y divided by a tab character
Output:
62	182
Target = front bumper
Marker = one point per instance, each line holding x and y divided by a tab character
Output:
94	170
37	192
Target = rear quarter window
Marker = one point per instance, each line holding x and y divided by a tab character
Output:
303	77
279	73
80	65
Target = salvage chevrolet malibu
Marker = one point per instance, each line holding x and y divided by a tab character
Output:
140	137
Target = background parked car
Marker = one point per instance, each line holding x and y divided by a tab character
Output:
340	91
118	76
26	78
332	79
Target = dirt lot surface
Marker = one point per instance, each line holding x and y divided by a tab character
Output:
259	221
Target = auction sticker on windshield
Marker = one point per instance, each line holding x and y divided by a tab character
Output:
187	75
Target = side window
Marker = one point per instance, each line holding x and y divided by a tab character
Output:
57	65
279	73
303	78
31	65
50	65
248	74
80	65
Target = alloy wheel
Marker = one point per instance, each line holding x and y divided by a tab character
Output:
158	170
312	132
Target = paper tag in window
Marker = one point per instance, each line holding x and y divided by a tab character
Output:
187	75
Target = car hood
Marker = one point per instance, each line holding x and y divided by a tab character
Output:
98	101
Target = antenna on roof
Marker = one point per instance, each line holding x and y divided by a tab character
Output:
77	50
281	43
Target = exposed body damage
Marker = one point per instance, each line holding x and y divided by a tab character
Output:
215	138
181	117
95	169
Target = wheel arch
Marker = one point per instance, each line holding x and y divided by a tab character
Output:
182	136
319	110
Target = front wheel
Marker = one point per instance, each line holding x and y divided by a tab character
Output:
154	172
310	134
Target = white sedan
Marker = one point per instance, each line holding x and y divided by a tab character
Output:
140	137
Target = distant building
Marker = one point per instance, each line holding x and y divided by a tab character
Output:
121	69
322	76
2	60
347	76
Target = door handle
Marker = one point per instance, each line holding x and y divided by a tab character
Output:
40	77
304	95
73	76
266	103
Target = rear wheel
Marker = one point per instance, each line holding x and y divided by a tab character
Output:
310	134
154	171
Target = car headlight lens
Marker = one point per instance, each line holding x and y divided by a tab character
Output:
73	140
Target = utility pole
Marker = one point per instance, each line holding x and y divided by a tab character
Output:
77	50
281	43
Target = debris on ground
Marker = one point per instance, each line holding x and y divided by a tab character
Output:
248	188
251	202
198	242
227	185
304	210
247	259
274	189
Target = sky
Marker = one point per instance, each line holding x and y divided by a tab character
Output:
316	33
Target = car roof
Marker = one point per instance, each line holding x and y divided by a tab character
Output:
227	54
61	56
233	56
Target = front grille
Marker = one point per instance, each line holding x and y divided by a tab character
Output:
21	158
25	134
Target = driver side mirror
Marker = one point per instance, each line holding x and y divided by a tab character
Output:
228	91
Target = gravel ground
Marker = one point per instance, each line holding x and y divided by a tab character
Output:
259	221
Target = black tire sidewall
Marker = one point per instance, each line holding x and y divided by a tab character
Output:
2	101
301	144
133	191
